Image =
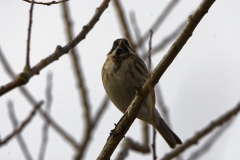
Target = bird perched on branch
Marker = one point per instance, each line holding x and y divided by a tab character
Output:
123	72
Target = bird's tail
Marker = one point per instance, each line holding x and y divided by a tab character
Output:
170	137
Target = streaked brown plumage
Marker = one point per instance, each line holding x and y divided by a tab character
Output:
123	72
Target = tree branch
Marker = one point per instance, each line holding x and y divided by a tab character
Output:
21	127
159	21
210	142
77	69
25	76
132	111
46	3
193	140
33	102
46	125
20	140
27	65
123	22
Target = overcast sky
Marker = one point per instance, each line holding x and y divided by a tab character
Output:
202	83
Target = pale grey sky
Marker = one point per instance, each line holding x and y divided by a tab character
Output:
201	84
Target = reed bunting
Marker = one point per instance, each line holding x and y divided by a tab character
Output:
123	72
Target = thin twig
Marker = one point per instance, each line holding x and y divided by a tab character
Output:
136	30
6	65
145	130
135	26
87	137
209	143
165	41
25	76
152	96
46	3
58	129
20	139
27	67
162	106
22	126
46	125
32	101
81	86
128	144
133	109
100	111
198	135
145	135
77	69
123	22
159	21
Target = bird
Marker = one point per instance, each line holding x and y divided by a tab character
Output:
122	72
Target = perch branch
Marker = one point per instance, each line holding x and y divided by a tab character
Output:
132	111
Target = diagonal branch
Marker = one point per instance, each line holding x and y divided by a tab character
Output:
87	137
123	22
193	140
33	102
22	126
128	144
162	106
20	139
132	111
159	21
77	67
160	46
209	143
100	111
25	76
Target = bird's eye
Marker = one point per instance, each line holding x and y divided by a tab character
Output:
125	42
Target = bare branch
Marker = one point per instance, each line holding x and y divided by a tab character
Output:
6	66
132	111
152	96
61	131
208	144
81	87
162	106
128	144
123	22
159	21
100	111
32	101
193	140
46	3
166	40
25	76
145	135
22	126
20	140
135	26
77	68
45	126
27	66
136	30
87	137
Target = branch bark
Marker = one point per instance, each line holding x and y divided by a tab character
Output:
193	140
25	76
132	111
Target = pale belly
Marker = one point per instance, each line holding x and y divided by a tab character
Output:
121	87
